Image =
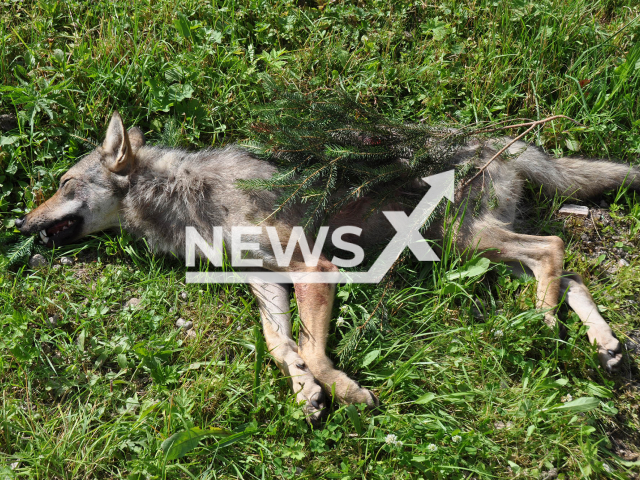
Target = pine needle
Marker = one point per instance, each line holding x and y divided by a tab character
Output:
20	251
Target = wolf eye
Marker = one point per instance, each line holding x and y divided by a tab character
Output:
63	183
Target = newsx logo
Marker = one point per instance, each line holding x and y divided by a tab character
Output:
407	235
283	257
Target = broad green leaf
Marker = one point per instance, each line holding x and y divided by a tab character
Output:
598	390
352	413
572	145
122	360
582	404
178	92
236	437
58	55
426	398
514	466
370	357
12	168
8	140
473	268
183	26
182	442
530	430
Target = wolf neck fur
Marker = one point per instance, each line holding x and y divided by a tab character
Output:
170	189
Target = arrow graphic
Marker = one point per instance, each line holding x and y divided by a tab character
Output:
407	235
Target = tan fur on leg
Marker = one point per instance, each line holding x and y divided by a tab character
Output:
273	301
544	256
315	301
579	299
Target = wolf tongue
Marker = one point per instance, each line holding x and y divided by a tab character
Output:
56	228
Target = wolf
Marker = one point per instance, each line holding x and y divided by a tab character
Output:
156	192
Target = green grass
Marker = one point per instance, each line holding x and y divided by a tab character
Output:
96	394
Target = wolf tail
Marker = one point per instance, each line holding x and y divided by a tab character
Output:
575	177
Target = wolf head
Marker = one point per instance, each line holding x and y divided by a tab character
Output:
91	192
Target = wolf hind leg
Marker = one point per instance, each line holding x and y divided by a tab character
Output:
273	301
581	302
544	256
579	299
315	302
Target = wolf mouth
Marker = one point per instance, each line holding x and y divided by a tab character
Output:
60	231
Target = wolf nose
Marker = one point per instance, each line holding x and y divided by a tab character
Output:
19	222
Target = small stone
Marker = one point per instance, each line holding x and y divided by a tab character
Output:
183	295
569	209
37	261
185	324
66	261
57	267
132	302
623	263
191	333
53	321
550	475
584	237
8	121
173	310
57	292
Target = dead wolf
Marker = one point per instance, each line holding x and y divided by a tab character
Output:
157	192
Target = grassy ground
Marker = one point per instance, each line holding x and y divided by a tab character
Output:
91	386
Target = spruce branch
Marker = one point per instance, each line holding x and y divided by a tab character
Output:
20	251
332	150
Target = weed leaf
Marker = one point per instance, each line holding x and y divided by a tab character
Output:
352	413
426	398
582	404
182	442
370	357
473	268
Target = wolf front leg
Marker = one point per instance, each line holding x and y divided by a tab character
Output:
273	301
315	301
579	299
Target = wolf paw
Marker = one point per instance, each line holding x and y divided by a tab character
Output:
550	319
610	354
348	391
339	386
308	392
362	395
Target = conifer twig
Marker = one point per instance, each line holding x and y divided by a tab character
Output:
503	149
86	140
526	124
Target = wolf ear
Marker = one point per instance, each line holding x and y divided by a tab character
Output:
136	139
116	146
